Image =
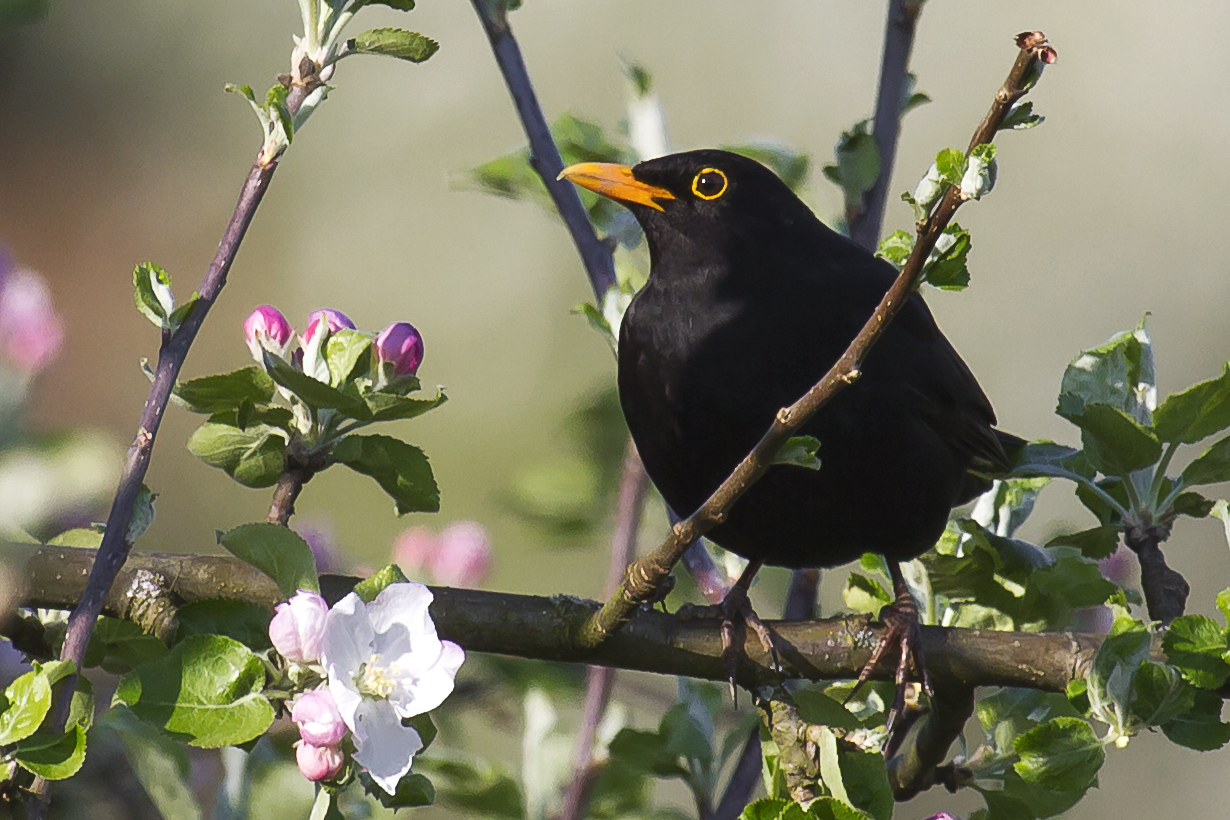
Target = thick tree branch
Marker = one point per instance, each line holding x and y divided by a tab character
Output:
548	628
544	155
644	575
899	29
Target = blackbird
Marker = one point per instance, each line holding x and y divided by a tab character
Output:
750	300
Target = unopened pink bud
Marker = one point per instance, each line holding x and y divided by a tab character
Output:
319	762
319	721
298	625
267	329
463	555
326	321
401	345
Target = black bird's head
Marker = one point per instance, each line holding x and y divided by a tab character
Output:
699	202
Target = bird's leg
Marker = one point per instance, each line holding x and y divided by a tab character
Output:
902	630
737	615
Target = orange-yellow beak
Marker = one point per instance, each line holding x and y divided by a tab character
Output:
616	182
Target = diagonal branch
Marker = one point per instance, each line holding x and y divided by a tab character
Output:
544	154
644	575
894	65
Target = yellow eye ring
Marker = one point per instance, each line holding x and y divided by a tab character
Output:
710	183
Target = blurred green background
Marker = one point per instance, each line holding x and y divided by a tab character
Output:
118	146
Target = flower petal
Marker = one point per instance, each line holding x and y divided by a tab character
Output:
427	688
403	604
345	647
383	746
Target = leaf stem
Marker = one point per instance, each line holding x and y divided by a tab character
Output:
1159	475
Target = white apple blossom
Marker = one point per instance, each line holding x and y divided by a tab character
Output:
385	663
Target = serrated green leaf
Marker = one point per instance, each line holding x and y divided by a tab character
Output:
1192	504
314	392
253	456
81	706
207	690
400	5
866	783
1200	728
118	646
1062	754
1223	603
1114	670
858	162
1212	467
1097	543
1119	373
160	764
766	808
829	808
1199	648
348	354
950	163
863	594
369	588
816	707
1159	694
142	514
243	621
800	451
395	42
279	552
24	705
896	248
1197	412
945	267
391	407
226	391
153	294
52	756
1021	116
1114	442
401	470
412	790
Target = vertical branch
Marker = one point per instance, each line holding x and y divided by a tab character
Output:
544	155
898	42
633	486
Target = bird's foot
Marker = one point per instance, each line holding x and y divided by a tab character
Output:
737	615
903	632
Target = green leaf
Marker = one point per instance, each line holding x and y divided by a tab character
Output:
87	537
118	646
830	808
24	705
946	266
369	588
1197	412
153	294
1198	647
950	163
279	552
253	456
1223	603
1051	460
391	407
1062	754
1200	727
395	42
1116	443
81	706
142	514
1212	467
1097	543
1114	670
346	351
1159	694
911	99
1119	373
160	764
412	790
866	783
800	451
1021	116
401	470
896	248
473	786
242	621
314	392
207	690
863	594
858	162
52	757
980	172
766	808
400	5
815	707
226	391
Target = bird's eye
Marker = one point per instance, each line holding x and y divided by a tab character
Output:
709	184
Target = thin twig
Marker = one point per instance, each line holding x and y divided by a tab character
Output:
113	551
899	30
544	155
633	486
644	575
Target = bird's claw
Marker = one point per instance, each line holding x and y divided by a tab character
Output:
737	615
903	631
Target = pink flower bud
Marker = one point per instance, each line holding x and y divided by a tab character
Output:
401	345
463	555
319	762
325	321
297	627
31	332
319	721
414	548
266	328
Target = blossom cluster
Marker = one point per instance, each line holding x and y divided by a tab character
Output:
382	662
